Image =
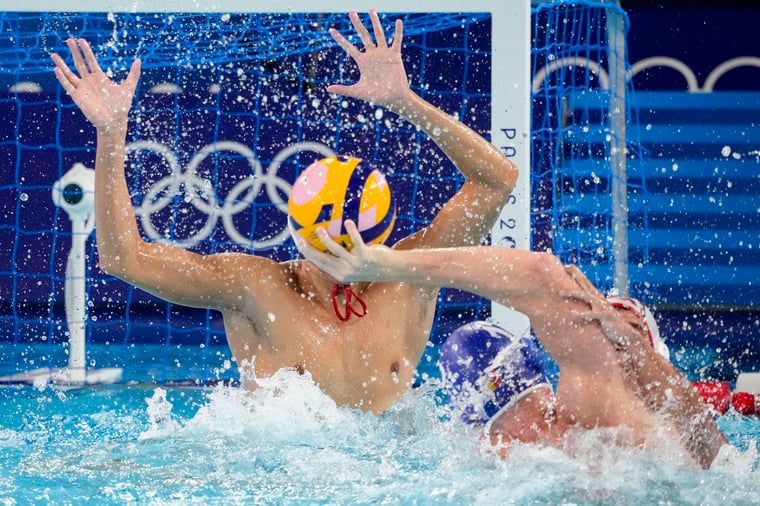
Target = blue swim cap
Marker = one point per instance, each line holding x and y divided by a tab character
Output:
485	369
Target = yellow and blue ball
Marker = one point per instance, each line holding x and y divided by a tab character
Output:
339	188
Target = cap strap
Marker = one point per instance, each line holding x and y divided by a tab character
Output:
350	296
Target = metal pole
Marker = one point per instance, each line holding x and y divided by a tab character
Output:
616	51
76	309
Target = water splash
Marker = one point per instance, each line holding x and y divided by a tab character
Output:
287	442
160	416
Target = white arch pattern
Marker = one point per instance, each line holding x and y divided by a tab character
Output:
723	68
543	72
665	61
692	84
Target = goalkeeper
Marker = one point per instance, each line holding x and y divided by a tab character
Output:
280	315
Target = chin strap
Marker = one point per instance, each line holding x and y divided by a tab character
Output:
350	297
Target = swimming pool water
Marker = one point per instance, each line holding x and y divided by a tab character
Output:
287	443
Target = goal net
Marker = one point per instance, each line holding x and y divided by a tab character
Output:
230	107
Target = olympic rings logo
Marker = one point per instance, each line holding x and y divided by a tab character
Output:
200	193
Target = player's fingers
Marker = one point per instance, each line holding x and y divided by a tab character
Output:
329	243
583	281
134	74
398	35
76	54
301	243
353	233
65	82
578	295
349	48
63	72
576	274
361	30
341	89
590	315
377	28
89	56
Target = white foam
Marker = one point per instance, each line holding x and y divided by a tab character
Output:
287	437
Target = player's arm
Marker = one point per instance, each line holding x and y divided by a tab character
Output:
666	390
169	272
533	283
489	175
163	270
510	276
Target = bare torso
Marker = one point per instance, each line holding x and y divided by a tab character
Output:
592	390
591	399
365	363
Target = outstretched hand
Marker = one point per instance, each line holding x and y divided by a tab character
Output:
383	79
102	101
362	263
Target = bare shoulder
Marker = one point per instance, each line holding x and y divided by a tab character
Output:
234	277
244	262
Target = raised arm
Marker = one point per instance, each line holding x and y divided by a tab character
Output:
489	175
165	271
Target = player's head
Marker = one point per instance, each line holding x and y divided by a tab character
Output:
486	370
647	320
339	188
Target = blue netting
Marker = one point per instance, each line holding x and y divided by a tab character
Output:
576	130
222	98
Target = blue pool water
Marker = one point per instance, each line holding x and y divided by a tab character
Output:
287	443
